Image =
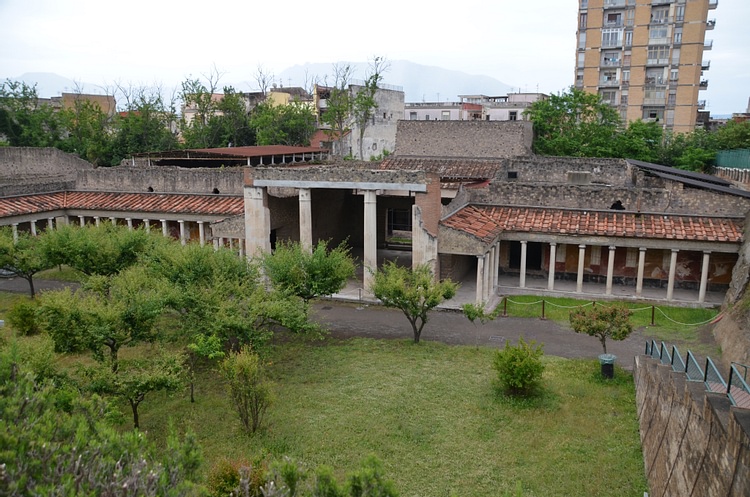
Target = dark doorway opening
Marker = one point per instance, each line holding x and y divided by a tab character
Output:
533	256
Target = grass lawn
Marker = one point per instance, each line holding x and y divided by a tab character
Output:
432	414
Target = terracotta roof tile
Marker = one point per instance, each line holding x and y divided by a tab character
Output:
496	219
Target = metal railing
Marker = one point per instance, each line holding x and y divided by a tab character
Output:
736	389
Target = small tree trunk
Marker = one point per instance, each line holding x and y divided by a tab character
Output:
192	391
32	292
604	344
134	407
113	357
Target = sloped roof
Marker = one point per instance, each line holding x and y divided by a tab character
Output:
487	222
131	202
448	168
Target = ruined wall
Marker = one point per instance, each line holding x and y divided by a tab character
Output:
27	170
541	169
162	179
464	138
694	442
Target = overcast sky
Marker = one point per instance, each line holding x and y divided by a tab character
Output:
528	44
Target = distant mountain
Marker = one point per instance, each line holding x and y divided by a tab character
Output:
49	84
420	83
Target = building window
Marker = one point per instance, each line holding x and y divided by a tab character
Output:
677	36
679	13
656	114
513	115
658	34
413	116
609	97
670	118
628	38
672	100
624	98
582	40
673	75
631	257
445	115
581	58
676	56
596	256
613	19
426	117
655	76
629	17
582	21
660	15
625	75
658	55
611	59
611	38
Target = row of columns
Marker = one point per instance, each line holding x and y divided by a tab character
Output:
487	272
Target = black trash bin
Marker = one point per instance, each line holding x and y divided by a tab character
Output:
608	365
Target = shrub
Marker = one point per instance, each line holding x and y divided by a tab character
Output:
248	388
223	478
22	317
519	368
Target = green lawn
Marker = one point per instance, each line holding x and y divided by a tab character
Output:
431	413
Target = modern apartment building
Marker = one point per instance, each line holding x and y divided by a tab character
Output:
646	57
509	107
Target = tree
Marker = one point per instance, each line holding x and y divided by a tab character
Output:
309	274
89	132
248	387
519	368
364	104
338	106
25	120
202	346
640	140
732	135
575	123
291	124
602	322
414	291
23	256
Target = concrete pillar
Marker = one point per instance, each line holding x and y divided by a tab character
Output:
216	244
641	268
495	274
113	220
610	268
164	227
50	223
370	238
480	280
305	218
82	221
33	228
221	241
241	242
704	277
522	282
183	234
129	220
15	232
231	243
672	271
552	257
96	221
201	233
147	225
257	221
581	257
486	276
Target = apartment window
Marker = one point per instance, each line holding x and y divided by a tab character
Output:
629	16
624	115
513	115
582	40
628	38
659	15
674	75
669	118
675	56
611	59
679	13
625	75
631	257
672	100
654	97
658	34
658	55
582	20
611	37
579	80
581	58
445	115
653	114
609	76
427	117
412	116
655	76
613	19
677	36
609	97
626	59
624	97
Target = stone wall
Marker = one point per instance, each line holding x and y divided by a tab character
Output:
27	170
162	179
694	442
558	170
486	139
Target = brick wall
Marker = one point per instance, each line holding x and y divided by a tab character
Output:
694	442
25	170
464	138
162	179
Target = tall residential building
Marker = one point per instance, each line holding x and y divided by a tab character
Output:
645	57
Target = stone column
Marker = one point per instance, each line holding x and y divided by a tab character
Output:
704	277
82	221
231	243
552	258
497	263
164	227
305	218
129	220
486	280
97	222
216	244
113	220
183	237
15	232
202	233
50	223
147	225
370	239
672	271
641	268
33	228
480	280
610	268
522	283
257	221
221	241
241	242
581	257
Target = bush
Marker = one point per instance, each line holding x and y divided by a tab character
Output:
248	388
22	317
224	478
519	368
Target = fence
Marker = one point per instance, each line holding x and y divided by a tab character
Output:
736	388
734	159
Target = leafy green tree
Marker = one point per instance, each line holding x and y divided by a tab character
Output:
248	387
363	102
89	132
25	120
136	378
200	98
338	106
732	135
640	140
202	346
519	368
575	123
54	441
291	124
309	274
602	322
232	127
414	291
24	257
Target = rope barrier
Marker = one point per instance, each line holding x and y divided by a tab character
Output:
523	303
686	324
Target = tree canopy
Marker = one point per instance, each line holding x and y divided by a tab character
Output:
602	322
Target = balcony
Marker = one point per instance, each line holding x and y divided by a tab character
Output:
612	43
712	4
609	4
701	104
661	2
703	84
609	83
661	20
708	44
657	62
656	102
655	82
710	24
613	24
705	65
611	63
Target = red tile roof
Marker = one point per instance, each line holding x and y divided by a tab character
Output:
486	222
128	202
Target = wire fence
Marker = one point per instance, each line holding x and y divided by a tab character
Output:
736	388
528	309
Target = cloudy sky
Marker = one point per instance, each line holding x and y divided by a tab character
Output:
527	44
